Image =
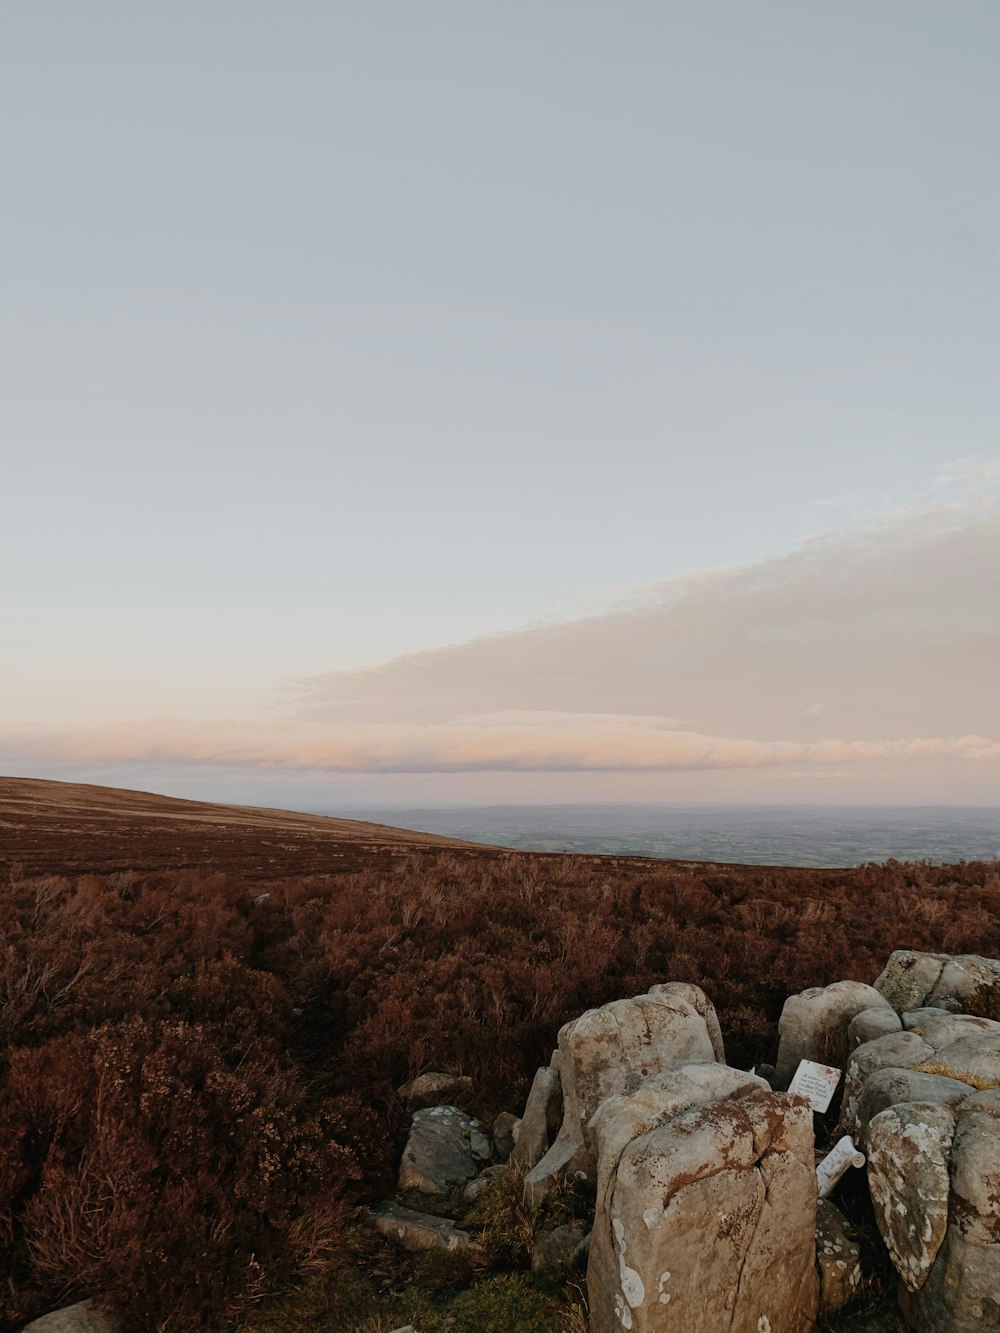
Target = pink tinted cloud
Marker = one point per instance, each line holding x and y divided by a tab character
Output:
599	744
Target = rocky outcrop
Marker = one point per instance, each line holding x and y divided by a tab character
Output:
838	1259
706	1207
613	1050
814	1025
420	1231
445	1148
961	983
80	1318
434	1088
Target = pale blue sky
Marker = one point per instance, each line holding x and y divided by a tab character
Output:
333	331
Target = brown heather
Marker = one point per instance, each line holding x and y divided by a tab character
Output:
197	1080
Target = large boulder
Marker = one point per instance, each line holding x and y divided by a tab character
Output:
934	1176
445	1148
813	1025
79	1318
541	1120
962	983
612	1050
706	1207
908	1149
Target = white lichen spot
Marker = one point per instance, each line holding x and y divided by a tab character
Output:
622	1312
763	1324
617	1226
652	1215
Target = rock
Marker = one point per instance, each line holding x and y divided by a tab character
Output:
611	1050
79	1318
476	1187
889	1087
420	1231
914	1020
870	1024
838	1259
506	1128
899	1050
700	1002
908	1149
445	1148
559	1249
949	1261
766	1072
961	983
813	1025
434	1088
541	1120
706	1205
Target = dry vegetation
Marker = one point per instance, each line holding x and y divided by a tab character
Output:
197	1068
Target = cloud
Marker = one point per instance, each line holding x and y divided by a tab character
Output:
607	744
895	627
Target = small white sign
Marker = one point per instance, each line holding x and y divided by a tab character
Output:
817	1082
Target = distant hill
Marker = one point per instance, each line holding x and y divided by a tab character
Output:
72	827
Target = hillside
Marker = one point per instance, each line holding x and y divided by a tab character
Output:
198	1081
66	827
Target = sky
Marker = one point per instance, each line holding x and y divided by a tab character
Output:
501	402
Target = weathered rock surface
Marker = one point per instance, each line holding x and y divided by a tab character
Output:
445	1148
699	1001
706	1205
79	1318
914	1019
899	1050
962	983
433	1088
838	1259
951	1276
506	1128
871	1024
908	1149
611	1050
420	1231
542	1117
813	1025
558	1249
889	1087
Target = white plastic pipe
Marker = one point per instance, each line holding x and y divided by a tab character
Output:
842	1156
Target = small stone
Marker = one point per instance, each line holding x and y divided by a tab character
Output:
420	1231
557	1250
505	1134
431	1089
838	1259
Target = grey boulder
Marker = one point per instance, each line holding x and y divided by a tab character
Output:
445	1148
962	983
